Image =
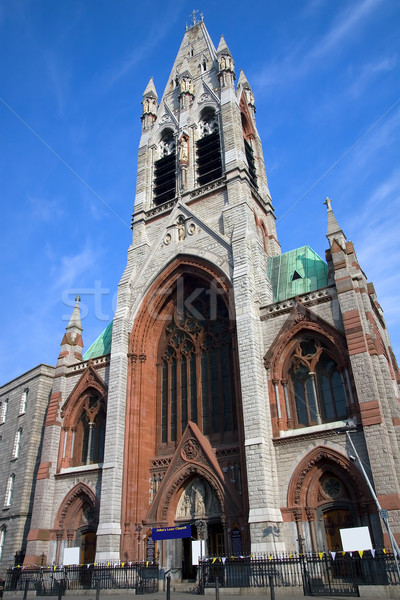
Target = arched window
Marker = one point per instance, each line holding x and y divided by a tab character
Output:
317	388
9	490
17	443
23	402
3	411
2	540
165	169
248	148
208	148
89	435
196	372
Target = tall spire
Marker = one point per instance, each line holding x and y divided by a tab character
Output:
334	232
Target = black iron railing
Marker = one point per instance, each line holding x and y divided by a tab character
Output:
315	573
55	580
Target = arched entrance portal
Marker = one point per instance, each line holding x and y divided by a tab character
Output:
199	506
327	493
77	522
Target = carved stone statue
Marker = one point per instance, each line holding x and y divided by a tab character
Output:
183	150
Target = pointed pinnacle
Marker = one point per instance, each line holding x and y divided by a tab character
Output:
150	89
222	47
75	320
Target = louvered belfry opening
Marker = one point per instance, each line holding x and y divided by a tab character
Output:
209	166
251	163
165	170
208	149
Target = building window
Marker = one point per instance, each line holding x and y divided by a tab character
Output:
165	169
9	490
2	541
24	400
3	411
89	434
17	443
196	372
318	389
251	162
208	149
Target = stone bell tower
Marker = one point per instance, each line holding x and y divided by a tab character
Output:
202	216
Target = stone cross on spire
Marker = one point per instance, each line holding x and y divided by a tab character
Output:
334	231
194	16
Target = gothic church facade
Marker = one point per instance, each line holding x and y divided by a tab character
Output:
216	395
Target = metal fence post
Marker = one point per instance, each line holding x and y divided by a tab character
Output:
168	597
216	588
97	589
26	588
271	586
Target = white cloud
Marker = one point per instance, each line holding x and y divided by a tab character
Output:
344	25
73	266
296	64
44	210
368	73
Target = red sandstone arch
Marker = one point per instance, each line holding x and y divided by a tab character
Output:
302	495
303	321
70	509
153	312
90	380
167	506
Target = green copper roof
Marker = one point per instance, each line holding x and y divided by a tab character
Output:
297	272
100	346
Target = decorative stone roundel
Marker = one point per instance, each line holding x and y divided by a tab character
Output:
190	450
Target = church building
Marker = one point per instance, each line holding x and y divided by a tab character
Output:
238	389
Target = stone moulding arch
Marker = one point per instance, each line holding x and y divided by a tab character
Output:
303	321
153	306
169	499
90	380
302	489
72	504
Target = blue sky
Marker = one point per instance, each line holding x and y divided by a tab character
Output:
325	76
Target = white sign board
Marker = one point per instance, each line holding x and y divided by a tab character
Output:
356	538
72	556
198	550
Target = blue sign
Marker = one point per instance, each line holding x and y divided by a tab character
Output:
171	533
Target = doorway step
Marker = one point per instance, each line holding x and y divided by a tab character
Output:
183	585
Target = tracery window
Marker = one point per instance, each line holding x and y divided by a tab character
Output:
208	149
88	441
319	393
196	372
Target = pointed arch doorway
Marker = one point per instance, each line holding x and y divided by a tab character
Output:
327	493
199	506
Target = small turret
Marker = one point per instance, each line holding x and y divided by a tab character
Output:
185	79
72	344
150	105
226	72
